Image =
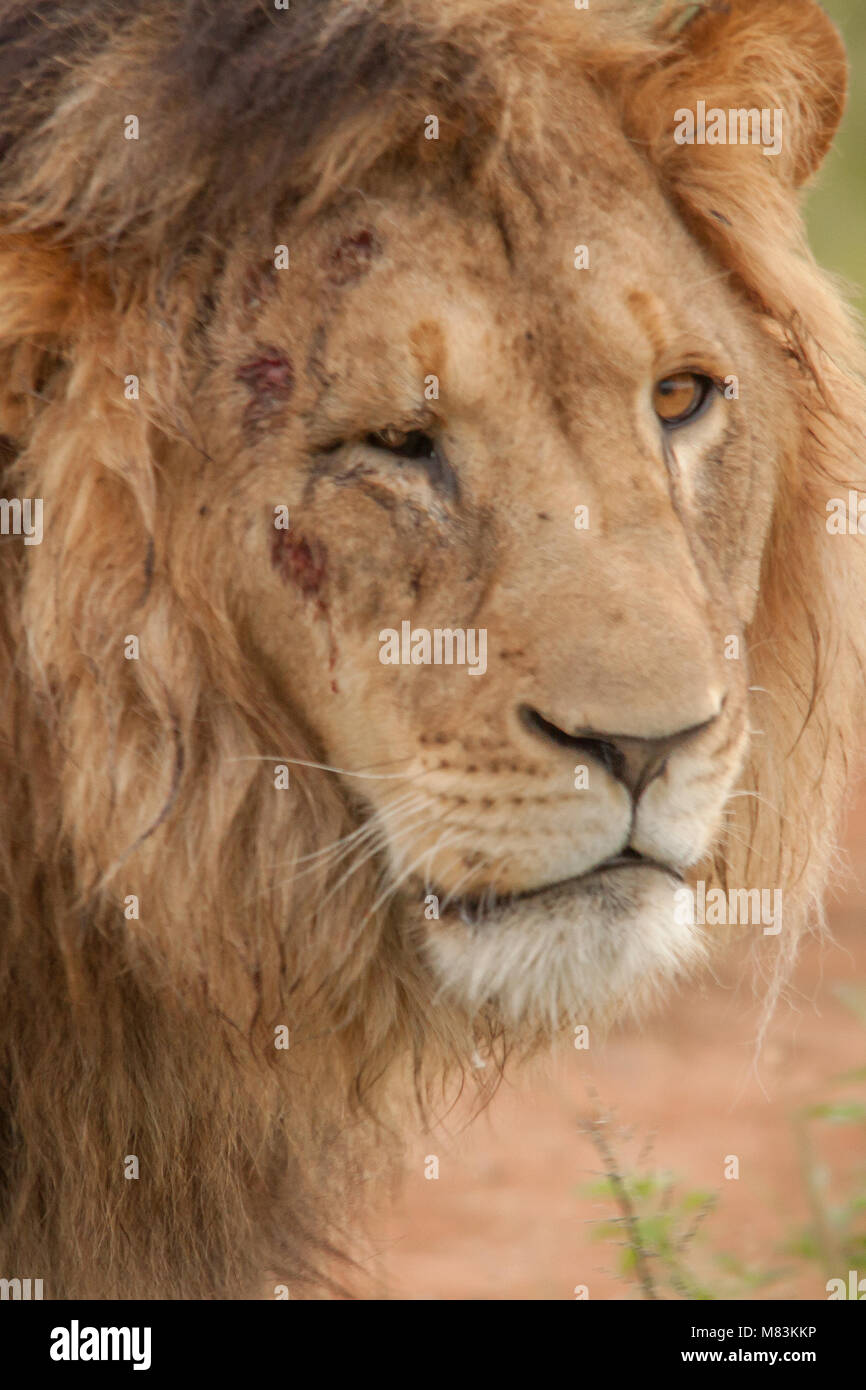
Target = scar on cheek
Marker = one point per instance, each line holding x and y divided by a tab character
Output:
353	255
299	562
270	379
304	564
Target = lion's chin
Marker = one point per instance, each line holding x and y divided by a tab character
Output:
583	951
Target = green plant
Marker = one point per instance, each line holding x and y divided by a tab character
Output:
659	1220
658	1227
835	1237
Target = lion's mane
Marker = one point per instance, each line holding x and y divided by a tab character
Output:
151	779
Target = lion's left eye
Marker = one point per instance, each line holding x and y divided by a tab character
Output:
408	444
681	398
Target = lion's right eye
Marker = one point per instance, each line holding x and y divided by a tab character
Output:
407	444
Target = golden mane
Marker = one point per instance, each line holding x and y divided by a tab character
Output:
153	1035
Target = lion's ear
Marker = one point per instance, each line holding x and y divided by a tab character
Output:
764	55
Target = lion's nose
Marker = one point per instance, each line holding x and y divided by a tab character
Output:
635	762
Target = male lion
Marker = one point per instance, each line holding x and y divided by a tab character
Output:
334	335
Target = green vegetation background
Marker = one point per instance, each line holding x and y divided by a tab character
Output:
836	208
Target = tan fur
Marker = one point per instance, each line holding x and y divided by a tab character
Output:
155	777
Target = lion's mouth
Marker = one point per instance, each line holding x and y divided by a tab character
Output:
490	908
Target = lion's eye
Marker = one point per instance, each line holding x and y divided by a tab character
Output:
681	398
407	444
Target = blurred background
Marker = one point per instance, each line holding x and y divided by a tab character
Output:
677	1153
837	207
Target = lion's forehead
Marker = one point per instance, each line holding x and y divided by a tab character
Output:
439	286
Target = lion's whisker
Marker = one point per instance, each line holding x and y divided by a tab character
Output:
358	833
340	771
388	839
457	835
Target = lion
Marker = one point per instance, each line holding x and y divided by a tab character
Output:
433	434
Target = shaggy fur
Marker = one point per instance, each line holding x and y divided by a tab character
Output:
154	1036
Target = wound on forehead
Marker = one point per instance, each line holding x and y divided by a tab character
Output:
352	256
270	379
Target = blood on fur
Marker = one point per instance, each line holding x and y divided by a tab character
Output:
353	255
304	564
270	379
299	562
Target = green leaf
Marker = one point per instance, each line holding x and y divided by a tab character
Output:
840	1112
692	1200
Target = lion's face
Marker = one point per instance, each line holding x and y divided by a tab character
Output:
572	467
489	475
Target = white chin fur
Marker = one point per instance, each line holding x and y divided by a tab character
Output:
603	947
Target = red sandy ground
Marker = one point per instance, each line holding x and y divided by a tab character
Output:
507	1218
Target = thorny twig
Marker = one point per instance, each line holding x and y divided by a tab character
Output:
594	1129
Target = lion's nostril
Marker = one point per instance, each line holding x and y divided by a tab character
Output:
633	761
603	750
606	753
